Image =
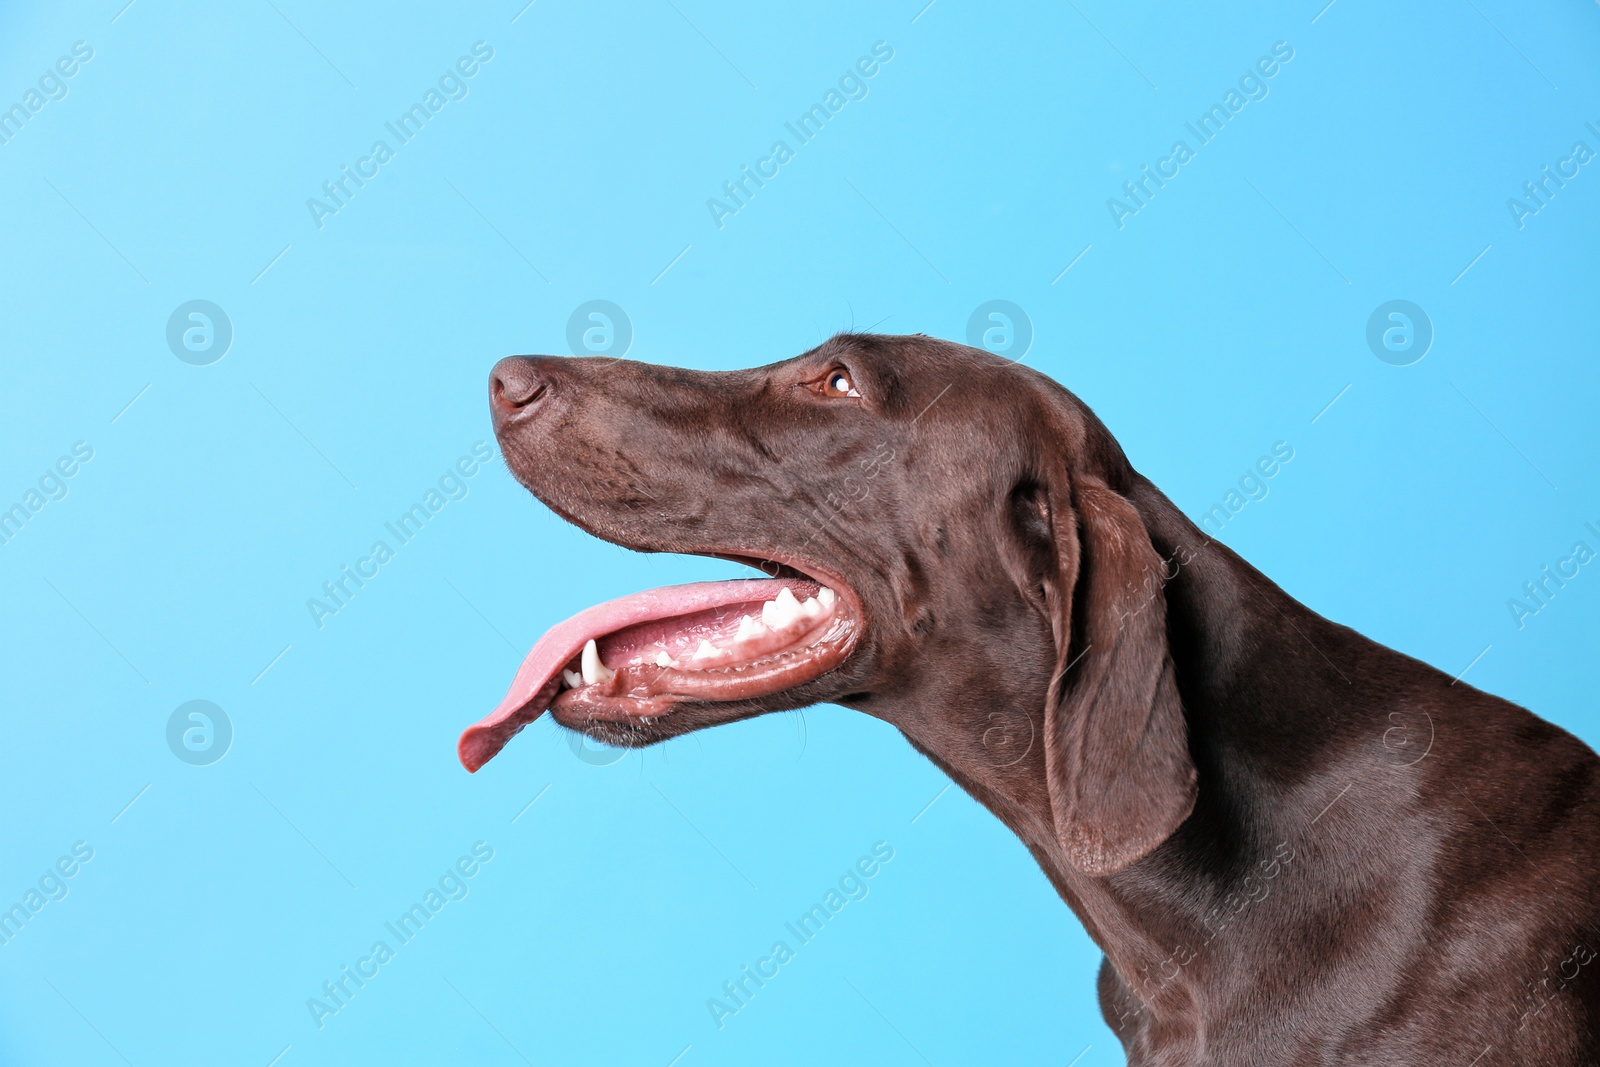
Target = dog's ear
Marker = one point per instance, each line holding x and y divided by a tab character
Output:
1117	762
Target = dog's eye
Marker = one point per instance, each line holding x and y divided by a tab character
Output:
837	383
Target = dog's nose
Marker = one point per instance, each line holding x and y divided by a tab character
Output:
515	383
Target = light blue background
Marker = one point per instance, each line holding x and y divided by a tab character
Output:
1225	316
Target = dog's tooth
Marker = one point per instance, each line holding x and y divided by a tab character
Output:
572	678
825	597
593	670
664	660
748	628
706	651
811	609
781	610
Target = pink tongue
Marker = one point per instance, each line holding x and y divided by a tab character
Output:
539	678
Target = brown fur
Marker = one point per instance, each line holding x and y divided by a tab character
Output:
1294	845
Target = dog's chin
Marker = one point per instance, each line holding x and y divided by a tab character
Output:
646	726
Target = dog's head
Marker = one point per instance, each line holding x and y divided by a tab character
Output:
945	543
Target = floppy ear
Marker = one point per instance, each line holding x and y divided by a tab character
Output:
1116	746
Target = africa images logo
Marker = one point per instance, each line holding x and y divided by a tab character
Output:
1252	86
338	592
851	85
739	991
52	87
452	85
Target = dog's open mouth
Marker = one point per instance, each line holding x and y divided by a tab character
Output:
631	660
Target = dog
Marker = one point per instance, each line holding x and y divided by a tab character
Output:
1293	845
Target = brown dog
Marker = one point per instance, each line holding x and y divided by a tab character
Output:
1294	845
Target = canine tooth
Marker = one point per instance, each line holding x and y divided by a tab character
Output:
593	670
825	597
706	651
572	678
748	628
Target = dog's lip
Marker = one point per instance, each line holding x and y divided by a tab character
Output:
538	680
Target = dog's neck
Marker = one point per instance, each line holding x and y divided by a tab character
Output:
1234	635
1238	642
